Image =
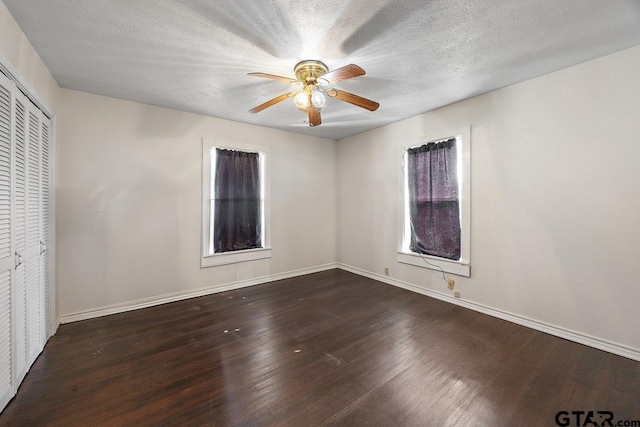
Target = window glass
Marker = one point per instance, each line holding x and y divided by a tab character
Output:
434	203
237	201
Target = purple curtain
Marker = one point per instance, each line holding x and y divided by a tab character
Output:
237	204
434	207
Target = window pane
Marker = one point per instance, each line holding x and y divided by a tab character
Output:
434	205
237	201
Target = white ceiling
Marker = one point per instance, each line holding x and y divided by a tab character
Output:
194	55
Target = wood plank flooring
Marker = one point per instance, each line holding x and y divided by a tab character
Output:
331	348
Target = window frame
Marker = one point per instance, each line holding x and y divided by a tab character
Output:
461	267
209	259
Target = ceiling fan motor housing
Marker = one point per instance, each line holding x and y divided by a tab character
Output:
309	71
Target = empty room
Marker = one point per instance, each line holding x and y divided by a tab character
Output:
296	213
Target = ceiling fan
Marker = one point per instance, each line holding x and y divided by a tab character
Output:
313	76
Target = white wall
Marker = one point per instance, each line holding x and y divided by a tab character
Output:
129	201
555	198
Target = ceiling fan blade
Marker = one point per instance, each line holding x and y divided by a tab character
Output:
272	102
273	77
356	100
344	73
314	114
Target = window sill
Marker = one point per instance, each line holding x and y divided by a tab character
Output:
235	257
459	268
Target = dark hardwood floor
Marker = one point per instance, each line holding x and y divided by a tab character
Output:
331	348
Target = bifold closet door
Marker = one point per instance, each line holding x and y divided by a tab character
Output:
35	294
19	281
6	258
45	262
25	294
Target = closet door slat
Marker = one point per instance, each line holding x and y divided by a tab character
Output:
34	289
21	362
6	334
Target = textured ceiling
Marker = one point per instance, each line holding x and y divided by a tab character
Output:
194	55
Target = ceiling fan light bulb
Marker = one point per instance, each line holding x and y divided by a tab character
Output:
318	100
302	100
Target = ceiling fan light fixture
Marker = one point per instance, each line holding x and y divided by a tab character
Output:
302	100
318	100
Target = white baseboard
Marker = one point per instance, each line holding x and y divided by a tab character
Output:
601	344
608	346
178	296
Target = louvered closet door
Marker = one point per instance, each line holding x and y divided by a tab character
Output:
6	258
19	281
45	263
34	288
25	295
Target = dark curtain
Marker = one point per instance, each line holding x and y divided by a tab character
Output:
237	216
434	208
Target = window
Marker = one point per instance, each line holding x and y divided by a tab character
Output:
235	186
436	204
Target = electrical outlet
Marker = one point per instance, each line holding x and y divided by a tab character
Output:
451	283
386	271
456	294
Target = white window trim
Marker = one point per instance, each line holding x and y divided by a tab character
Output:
212	260
460	267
